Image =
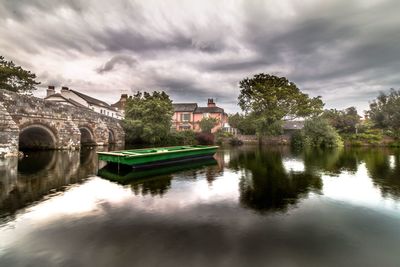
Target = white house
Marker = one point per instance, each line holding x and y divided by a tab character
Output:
74	98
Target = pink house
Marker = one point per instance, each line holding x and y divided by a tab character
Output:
188	115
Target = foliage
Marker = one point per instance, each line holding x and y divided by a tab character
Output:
148	117
344	121
317	132
271	99
297	139
244	123
207	124
385	111
220	135
234	141
181	138
205	138
368	137
15	78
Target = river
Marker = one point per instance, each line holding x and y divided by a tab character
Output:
251	206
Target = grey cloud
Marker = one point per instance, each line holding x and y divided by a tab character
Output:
119	59
325	47
237	65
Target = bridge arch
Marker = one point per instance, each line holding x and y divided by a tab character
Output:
87	136
37	136
111	137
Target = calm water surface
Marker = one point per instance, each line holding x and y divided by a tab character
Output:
250	206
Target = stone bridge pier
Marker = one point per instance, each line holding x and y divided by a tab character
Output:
27	122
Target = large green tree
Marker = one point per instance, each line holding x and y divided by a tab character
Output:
148	117
271	99
15	78
345	121
385	111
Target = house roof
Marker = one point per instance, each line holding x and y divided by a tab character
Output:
293	125
92	100
209	110
69	100
185	107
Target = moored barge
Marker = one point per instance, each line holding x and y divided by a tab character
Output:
157	156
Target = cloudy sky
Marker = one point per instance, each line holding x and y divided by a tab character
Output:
346	51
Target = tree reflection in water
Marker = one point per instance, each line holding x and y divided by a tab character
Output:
266	184
384	169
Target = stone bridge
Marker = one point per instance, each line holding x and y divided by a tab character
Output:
27	122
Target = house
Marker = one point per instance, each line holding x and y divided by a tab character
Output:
120	104
187	116
74	98
290	127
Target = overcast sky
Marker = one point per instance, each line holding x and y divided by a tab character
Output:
346	51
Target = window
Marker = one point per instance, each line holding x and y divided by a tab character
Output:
185	117
206	115
184	127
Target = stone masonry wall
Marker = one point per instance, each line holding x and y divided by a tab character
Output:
20	111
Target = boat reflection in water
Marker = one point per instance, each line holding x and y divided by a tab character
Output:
154	180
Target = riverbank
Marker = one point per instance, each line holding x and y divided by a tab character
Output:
349	140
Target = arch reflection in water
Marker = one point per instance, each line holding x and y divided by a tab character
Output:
157	181
41	173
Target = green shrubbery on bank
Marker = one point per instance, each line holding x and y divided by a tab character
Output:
317	132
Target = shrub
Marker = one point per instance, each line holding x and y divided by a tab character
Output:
181	138
205	138
318	132
234	141
297	139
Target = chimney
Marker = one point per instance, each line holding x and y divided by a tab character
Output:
210	103
64	89
124	97
50	90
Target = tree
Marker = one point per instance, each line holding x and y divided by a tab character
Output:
385	111
345	121
148	117
14	78
207	124
245	124
271	99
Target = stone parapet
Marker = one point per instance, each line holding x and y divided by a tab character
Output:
19	113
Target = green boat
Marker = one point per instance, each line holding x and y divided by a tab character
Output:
157	156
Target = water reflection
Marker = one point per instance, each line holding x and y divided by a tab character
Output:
157	181
251	206
384	169
41	173
266	185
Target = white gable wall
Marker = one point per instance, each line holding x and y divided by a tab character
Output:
69	94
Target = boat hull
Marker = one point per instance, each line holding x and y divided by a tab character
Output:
157	156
